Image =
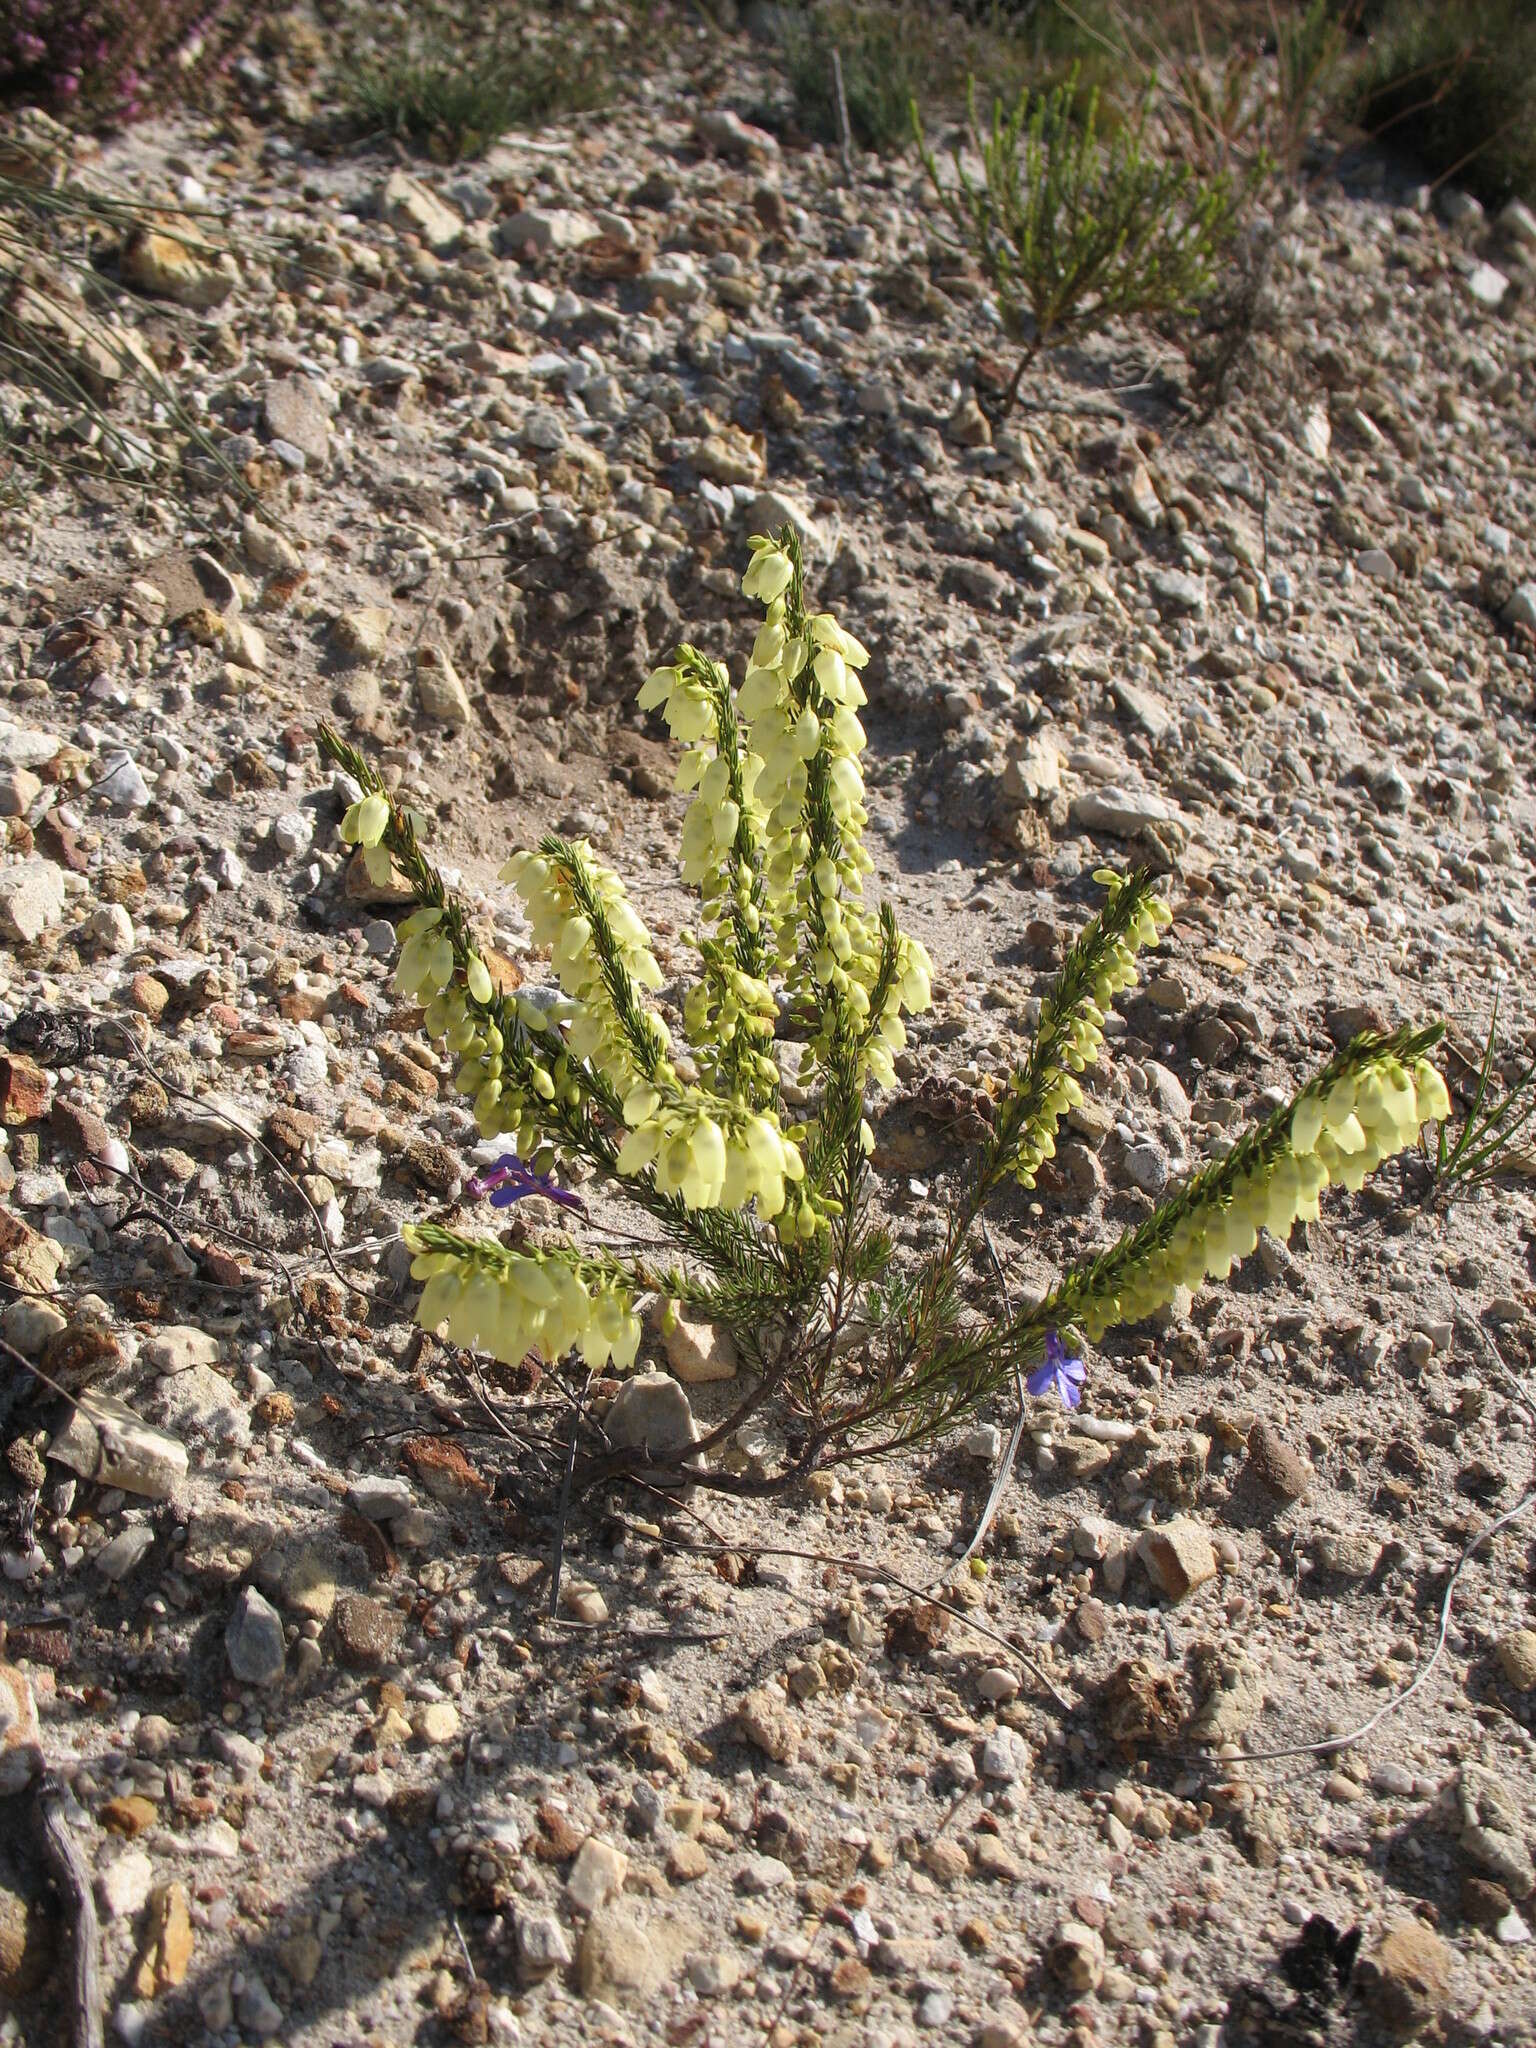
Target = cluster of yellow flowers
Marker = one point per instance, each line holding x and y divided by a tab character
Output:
729	1011
802	694
1075	1039
364	825
712	1151
1338	1133
510	1085
510	1303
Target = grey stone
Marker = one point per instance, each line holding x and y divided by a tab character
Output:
244	1757
109	929
121	782
127	1549
651	1413
439	691
1144	710
21	746
597	1875
407	203
712	1976
253	1640
770	510
676	277
1174	591
178	1348
31	899
199	1402
104	1440
1486	286
293	832
256	2009
124	1885
1123	812
1168	1091
381	1499
1347	1553
1005	1756
761	1874
293	411
1146	1167
546	228
542	1944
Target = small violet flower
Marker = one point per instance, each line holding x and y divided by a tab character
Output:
1059	1373
508	1181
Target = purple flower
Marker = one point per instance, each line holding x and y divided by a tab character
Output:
508	1181
1059	1373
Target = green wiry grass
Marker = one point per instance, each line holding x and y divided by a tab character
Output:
893	52
1494	1135
1455	86
462	79
1073	232
456	111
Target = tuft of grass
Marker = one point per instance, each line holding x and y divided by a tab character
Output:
893	52
457	105
1311	44
882	57
81	394
1455	87
1489	1139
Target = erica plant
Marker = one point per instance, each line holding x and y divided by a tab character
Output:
764	1219
113	59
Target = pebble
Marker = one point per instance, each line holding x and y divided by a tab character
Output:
597	1875
542	1943
1516	1653
1486	285
1176	592
1005	1756
1178	1557
436	1724
1275	1465
125	1552
121	782
712	1976
651	1414
123	1885
293	833
761	1874
698	1354
31	899
256	2009
367	1632
1392	1781
380	1498
253	1641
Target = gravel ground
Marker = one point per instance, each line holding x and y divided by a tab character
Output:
339	1777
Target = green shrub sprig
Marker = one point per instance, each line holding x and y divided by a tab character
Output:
1074	232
